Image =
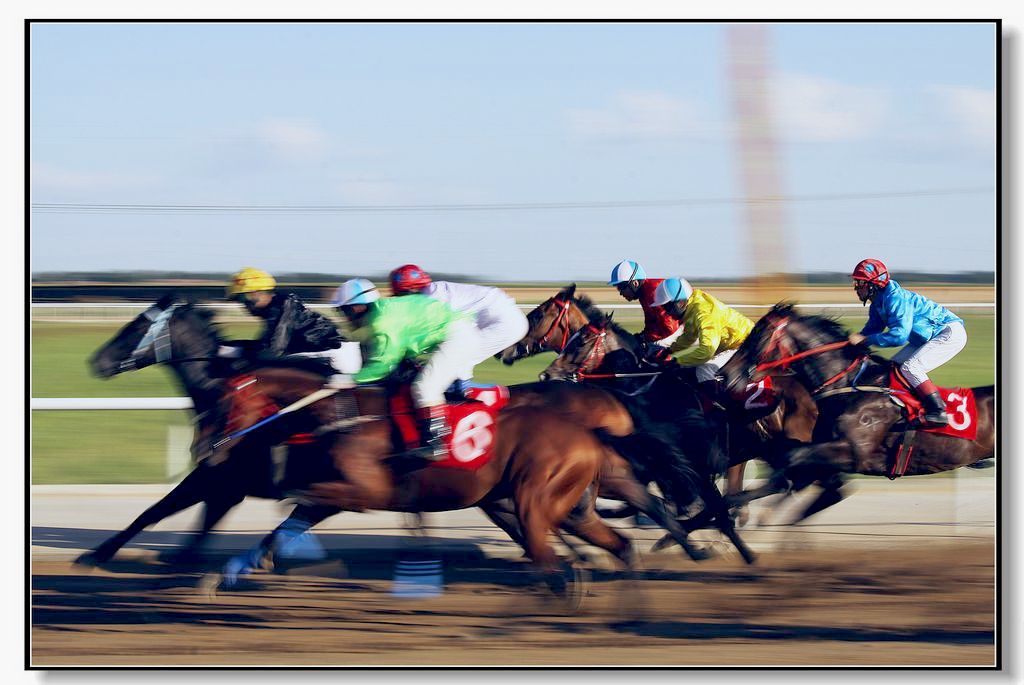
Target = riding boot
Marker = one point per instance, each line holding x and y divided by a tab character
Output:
712	390
934	407
935	410
434	432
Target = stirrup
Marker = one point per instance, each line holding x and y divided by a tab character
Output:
935	419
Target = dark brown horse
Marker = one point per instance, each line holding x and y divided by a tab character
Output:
182	336
860	429
553	324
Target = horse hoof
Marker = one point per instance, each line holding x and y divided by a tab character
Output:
209	584
90	560
569	585
665	542
740	515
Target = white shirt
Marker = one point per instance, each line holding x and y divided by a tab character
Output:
488	305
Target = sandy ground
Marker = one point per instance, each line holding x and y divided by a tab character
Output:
899	573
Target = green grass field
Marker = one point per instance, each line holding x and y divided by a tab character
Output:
130	446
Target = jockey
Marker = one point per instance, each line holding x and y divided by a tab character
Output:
631	281
932	334
498	319
407	327
288	326
715	329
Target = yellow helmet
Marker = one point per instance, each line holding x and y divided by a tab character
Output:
250	280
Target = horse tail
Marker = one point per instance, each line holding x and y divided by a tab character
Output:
657	459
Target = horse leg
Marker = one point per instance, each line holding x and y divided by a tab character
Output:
194	488
831	494
584	523
214	509
714	502
734	486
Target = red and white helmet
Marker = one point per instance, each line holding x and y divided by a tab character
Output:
872	271
409	278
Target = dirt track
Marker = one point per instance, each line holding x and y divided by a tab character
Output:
893	607
908	582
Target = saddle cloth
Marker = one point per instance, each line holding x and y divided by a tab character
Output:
473	423
960	405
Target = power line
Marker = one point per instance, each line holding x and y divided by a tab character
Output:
111	208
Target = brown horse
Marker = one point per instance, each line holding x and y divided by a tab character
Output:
860	429
182	336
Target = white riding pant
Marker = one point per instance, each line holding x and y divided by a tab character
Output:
709	369
667	342
507	329
446	363
915	361
345	359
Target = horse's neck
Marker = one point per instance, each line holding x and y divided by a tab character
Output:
195	380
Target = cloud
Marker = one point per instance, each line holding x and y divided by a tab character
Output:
638	115
814	108
296	140
972	109
51	177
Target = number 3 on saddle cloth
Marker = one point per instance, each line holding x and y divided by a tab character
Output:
963	414
473	424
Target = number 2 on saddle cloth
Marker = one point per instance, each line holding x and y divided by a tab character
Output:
755	401
474	423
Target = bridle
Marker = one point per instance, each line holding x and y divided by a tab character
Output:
783	344
563	313
596	355
158	334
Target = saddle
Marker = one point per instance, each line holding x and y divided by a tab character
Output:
960	405
473	423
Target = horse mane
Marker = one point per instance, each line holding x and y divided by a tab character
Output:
206	315
599	318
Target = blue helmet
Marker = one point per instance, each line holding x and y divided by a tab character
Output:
355	291
625	271
672	290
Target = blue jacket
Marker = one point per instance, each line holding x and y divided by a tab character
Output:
909	318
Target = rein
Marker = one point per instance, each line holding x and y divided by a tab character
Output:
786	361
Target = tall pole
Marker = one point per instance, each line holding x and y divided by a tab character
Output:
758	161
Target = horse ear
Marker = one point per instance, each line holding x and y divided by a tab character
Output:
570	290
166	300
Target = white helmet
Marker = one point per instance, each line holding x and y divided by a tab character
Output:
672	290
355	291
625	271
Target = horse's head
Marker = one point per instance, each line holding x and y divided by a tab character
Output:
167	330
600	346
777	336
551	324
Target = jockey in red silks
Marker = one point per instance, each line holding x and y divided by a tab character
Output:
931	334
630	279
497	318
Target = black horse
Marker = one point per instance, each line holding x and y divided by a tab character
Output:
860	429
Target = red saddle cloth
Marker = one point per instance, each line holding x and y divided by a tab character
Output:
473	424
757	399
963	413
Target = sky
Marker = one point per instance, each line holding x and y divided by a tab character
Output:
447	145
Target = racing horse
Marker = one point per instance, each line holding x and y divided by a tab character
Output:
861	429
553	324
183	337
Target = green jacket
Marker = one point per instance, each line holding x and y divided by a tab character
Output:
403	328
712	326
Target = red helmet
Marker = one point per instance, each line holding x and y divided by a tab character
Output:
872	271
409	278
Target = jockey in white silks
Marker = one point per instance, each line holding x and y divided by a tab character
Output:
495	314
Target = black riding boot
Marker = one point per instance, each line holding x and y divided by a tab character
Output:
935	410
434	432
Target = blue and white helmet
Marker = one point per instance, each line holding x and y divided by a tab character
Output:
625	271
355	291
672	290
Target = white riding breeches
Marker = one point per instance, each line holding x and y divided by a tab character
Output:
915	361
667	342
446	363
345	359
495	336
709	369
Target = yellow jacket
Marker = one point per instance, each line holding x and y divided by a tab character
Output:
712	325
